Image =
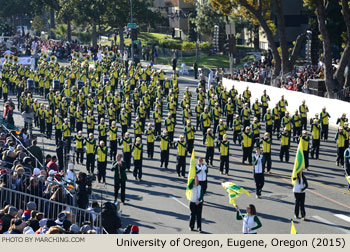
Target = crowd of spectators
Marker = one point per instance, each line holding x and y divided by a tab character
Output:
297	80
31	221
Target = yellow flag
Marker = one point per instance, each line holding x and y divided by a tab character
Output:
299	163
191	175
293	230
234	191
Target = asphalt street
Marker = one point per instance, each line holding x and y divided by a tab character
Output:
158	205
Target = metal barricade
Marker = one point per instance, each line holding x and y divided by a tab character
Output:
37	162
50	208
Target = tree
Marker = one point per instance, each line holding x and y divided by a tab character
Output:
206	18
334	79
52	5
91	12
117	16
258	12
38	24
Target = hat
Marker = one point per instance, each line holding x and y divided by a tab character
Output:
74	228
70	166
31	205
134	229
42	222
19	224
60	218
12	210
84	229
28	230
36	171
50	223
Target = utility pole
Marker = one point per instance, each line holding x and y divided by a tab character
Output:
132	41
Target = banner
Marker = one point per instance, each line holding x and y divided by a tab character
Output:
22	61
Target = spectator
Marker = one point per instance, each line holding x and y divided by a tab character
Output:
36	152
51	165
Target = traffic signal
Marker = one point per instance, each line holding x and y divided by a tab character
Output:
133	34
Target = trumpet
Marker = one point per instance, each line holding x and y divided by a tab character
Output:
7	56
88	57
15	59
53	58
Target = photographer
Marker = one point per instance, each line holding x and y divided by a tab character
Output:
84	185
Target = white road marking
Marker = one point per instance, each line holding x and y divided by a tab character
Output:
331	224
179	202
343	217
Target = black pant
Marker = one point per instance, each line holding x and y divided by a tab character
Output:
72	123
247	154
204	185
150	150
42	126
164	158
137	168
324	132
229	121
246	123
306	158
79	126
196	214
209	155
304	122
124	129
171	136
284	152
267	161
340	155
117	186
90	131
198	124
158	129
114	149
216	123
90	162
101	167
296	133
5	97
181	165
276	126
299	204
315	148
259	182
269	130
264	108
80	155
102	138
58	135
205	129
237	136
127	159
190	145
224	161
49	130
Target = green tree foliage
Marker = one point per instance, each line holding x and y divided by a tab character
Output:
206	18
334	78
258	12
